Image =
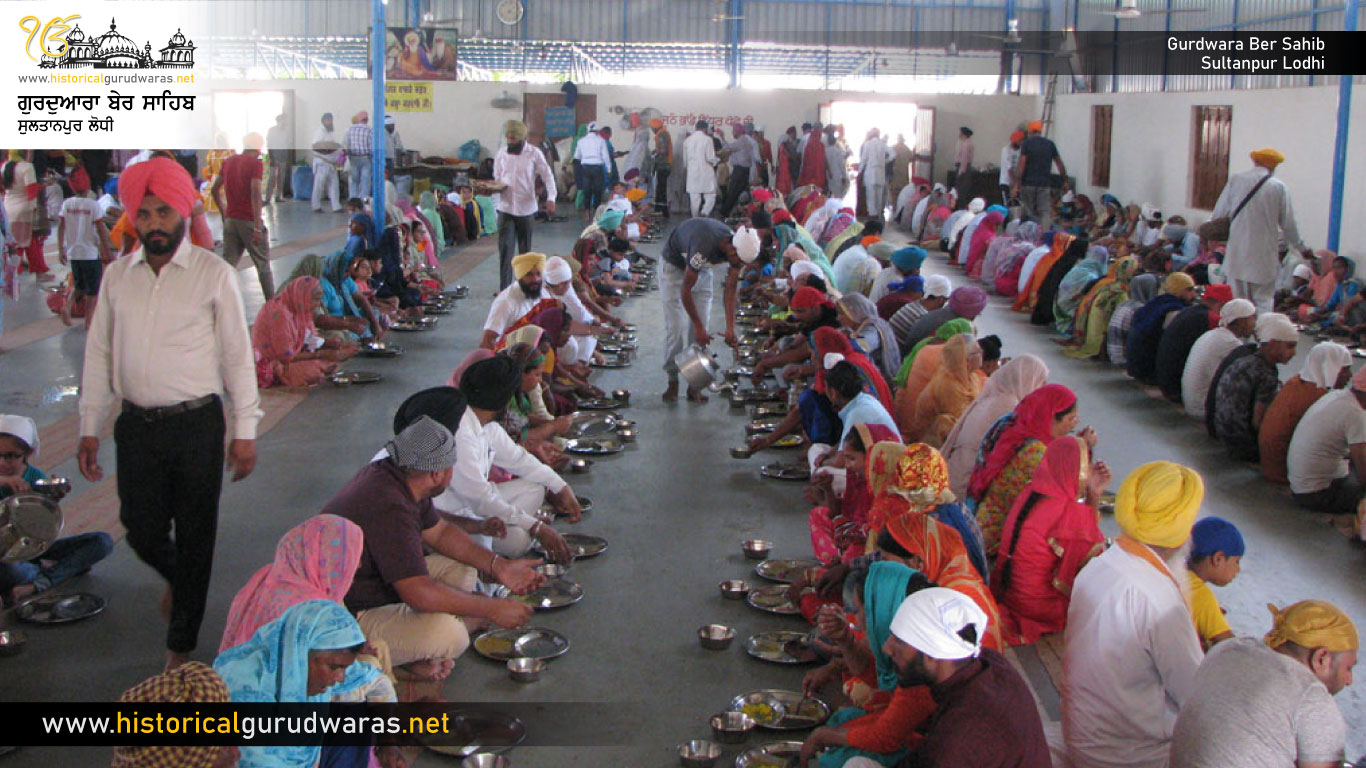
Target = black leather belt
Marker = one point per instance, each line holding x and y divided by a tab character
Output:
167	411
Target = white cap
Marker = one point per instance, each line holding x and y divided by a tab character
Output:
747	243
977	205
1304	271
557	271
938	285
23	428
931	619
1236	309
1273	326
800	268
592	126
832	359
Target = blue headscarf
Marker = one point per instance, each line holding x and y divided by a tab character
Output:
1001	209
610	220
368	227
272	667
334	274
883	591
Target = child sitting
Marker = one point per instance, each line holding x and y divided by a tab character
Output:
66	557
1215	557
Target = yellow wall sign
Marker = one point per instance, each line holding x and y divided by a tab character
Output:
408	96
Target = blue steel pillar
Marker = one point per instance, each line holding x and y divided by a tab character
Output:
377	153
1349	24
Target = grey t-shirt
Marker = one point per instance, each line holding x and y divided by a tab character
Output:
696	244
1256	708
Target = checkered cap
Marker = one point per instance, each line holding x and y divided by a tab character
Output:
191	682
424	445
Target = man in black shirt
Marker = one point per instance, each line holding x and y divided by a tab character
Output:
1034	181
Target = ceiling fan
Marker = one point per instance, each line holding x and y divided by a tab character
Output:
1012	38
1128	10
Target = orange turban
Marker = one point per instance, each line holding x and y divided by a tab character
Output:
1268	157
160	176
1018	136
1035	126
656	123
635	195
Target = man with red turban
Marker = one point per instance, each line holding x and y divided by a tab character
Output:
168	338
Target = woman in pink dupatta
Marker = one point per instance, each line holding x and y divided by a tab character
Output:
839	524
982	237
283	337
1323	284
315	560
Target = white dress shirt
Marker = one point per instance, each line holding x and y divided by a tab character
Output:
872	162
1129	663
1010	157
1201	364
592	150
508	307
699	156
1254	237
519	172
157	340
478	448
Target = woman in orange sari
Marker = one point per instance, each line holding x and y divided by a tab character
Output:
955	384
936	550
1030	295
915	481
1046	540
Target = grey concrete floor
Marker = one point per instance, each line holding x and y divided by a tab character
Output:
674	508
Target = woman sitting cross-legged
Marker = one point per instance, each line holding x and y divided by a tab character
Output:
289	351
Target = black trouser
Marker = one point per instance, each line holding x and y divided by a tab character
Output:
170	472
662	188
736	186
510	227
594	182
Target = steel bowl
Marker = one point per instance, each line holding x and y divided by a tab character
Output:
52	486
526	670
579	466
627	435
623	395
734	589
731	727
715	637
625	424
485	760
552	570
741	452
756	549
699	753
12	642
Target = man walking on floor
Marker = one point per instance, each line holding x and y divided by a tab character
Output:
237	191
699	158
279	146
872	170
742	153
169	335
360	142
326	160
518	165
1259	206
1033	182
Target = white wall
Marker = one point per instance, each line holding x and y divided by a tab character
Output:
1152	146
462	111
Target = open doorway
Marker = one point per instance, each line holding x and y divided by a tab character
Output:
237	113
892	118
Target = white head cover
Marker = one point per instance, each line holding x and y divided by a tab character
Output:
1274	326
557	271
939	188
938	285
1149	212
1068	197
592	126
832	359
1304	271
1325	361
930	620
800	268
23	428
977	205
632	231
1236	310
746	242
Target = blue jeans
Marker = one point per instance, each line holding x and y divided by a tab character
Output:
359	171
68	556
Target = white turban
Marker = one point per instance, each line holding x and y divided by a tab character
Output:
832	359
1274	326
1324	363
557	271
1304	271
977	205
1149	212
800	268
939	188
1236	309
938	285
930	621
23	428
746	242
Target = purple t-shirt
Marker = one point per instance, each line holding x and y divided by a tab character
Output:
378	500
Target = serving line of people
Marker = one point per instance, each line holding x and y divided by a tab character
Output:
972	471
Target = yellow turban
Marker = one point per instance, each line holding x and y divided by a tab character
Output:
526	262
1268	157
1157	503
1312	624
1178	281
516	129
635	195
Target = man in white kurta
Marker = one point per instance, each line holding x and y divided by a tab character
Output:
699	157
873	157
1131	648
326	160
1252	257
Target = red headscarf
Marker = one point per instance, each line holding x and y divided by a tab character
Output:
807	297
160	176
1059	478
829	340
1033	420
